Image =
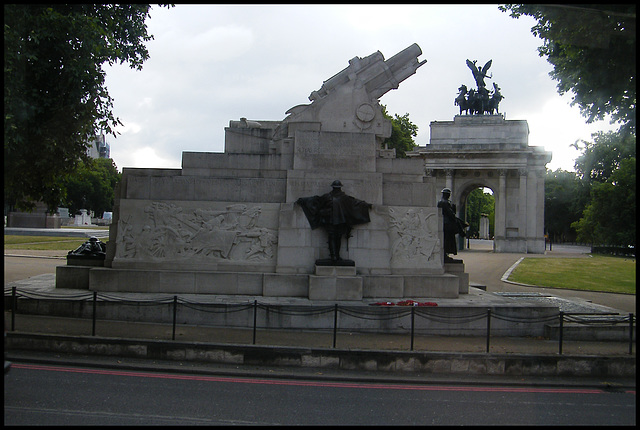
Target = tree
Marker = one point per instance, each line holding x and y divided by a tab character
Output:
603	156
592	48
565	198
402	133
479	202
55	98
610	217
92	186
607	166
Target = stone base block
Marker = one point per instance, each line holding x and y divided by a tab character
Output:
84	260
431	286
335	287
457	269
175	282
73	277
464	283
411	287
285	285
328	284
383	286
335	271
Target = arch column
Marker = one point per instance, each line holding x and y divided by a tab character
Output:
535	227
449	179
522	205
501	211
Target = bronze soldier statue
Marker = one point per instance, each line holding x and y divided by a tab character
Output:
336	212
452	225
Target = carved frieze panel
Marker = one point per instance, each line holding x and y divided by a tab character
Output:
169	232
413	234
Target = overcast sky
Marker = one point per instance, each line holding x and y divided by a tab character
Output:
210	64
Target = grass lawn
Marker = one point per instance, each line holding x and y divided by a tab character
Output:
597	273
40	243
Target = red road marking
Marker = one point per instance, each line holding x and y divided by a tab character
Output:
308	383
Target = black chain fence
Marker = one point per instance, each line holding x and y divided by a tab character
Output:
271	312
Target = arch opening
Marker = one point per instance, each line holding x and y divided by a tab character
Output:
477	208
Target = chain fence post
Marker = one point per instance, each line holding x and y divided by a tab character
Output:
413	314
630	334
93	318
488	328
335	323
14	308
560	333
175	312
255	318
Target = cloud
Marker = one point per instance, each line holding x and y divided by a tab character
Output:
145	157
217	44
557	126
213	63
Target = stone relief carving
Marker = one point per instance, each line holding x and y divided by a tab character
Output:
414	235
169	232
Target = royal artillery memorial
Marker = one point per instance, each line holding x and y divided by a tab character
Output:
230	224
227	223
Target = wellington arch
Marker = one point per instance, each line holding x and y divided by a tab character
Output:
488	151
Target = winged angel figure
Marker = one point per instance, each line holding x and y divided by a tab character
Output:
479	75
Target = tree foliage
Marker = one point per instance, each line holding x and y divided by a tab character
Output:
402	133
592	48
608	167
92	186
610	216
604	155
55	97
479	202
565	199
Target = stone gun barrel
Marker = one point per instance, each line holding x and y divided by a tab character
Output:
377	75
398	68
405	63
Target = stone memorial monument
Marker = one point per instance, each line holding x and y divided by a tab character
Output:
228	223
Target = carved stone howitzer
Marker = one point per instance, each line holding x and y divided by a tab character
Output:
377	75
348	101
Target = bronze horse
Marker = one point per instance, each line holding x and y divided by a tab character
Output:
461	100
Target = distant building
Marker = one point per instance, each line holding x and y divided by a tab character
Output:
99	148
